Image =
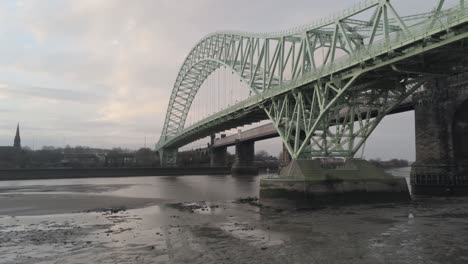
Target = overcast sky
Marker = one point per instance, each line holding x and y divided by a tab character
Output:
99	72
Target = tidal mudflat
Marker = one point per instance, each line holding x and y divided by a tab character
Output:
201	219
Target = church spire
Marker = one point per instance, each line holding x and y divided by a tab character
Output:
17	143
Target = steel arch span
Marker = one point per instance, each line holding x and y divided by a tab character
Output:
321	105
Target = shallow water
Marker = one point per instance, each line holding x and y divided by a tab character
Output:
174	188
196	219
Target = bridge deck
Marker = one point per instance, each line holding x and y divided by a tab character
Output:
268	131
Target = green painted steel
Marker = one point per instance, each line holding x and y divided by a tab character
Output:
321	108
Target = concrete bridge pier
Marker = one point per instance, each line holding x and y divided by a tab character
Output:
441	115
315	182
244	159
218	157
168	157
285	157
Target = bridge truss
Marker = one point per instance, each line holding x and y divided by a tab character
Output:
325	86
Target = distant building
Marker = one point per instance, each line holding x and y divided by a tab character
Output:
10	156
17	141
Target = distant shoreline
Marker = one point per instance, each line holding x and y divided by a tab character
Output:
69	173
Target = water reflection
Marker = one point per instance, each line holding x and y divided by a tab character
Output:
178	188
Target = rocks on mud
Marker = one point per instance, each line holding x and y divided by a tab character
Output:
248	200
193	207
107	211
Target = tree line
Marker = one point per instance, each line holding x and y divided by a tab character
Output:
82	156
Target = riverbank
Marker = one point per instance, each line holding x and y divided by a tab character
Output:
70	173
201	219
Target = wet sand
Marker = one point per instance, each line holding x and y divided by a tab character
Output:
45	204
100	226
61	199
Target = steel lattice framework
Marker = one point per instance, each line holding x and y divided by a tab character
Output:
321	105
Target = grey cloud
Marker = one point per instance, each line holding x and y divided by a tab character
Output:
50	93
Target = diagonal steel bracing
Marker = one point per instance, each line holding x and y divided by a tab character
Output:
312	81
334	119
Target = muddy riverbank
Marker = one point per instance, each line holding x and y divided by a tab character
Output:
201	219
72	173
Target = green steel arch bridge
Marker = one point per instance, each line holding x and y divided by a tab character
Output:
372	60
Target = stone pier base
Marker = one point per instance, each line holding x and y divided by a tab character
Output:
218	157
441	118
244	159
304	183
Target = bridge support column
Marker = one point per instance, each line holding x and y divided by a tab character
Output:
441	116
285	157
244	159
168	157
218	157
310	183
